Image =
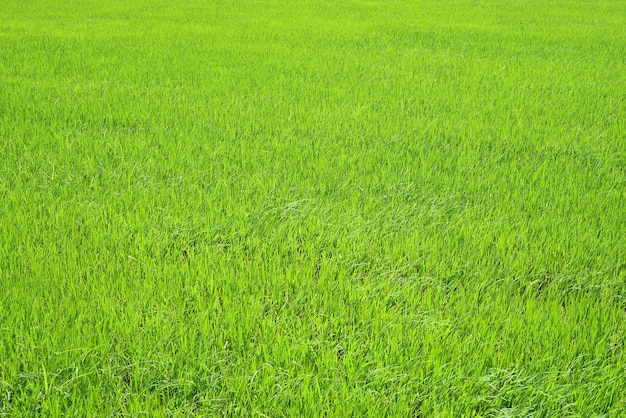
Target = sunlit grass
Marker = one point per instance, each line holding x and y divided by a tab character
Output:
315	208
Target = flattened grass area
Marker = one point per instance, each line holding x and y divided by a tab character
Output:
313	208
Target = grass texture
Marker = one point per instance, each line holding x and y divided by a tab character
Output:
273	208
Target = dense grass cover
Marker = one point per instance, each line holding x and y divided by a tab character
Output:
313	208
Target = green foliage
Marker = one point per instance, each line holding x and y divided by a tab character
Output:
312	208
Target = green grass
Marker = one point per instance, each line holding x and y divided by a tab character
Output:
313	208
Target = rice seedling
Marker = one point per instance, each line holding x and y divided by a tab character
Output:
312	208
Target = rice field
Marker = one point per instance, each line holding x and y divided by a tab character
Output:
272	208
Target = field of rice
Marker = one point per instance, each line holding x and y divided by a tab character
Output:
316	208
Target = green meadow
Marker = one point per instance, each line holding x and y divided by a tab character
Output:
273	208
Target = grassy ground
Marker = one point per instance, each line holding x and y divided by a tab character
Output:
313	208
